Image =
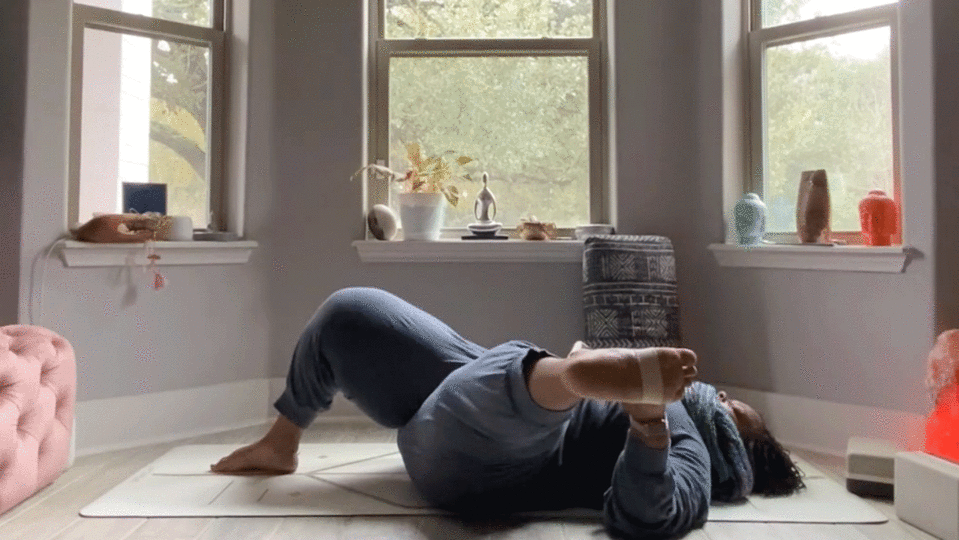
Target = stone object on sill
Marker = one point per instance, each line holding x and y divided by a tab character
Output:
382	222
812	207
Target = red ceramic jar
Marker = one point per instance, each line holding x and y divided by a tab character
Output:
878	217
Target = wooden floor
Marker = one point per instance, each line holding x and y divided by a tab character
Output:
53	513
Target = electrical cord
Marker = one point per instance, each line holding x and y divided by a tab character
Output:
35	320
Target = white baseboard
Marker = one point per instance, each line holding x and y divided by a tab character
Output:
103	425
125	422
116	423
825	426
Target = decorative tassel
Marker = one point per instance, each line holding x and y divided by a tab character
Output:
158	280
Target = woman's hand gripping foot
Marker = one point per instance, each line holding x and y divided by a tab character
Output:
642	380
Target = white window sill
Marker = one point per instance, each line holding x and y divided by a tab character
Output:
81	254
520	251
889	259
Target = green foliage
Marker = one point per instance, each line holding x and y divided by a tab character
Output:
179	112
426	174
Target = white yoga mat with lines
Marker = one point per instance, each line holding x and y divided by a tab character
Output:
355	479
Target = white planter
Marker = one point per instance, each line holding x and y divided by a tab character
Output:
422	215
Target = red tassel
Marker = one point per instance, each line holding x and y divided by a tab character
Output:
158	281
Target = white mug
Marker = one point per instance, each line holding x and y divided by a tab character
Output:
181	229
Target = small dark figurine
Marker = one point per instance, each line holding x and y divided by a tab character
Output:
812	208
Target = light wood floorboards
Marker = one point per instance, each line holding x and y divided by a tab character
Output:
52	514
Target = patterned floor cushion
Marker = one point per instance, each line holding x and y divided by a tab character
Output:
629	292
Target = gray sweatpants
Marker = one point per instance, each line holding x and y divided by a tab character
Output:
472	438
458	406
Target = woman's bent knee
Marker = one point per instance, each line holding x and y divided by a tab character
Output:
353	305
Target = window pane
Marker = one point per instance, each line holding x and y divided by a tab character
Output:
777	12
145	115
524	119
195	12
479	19
828	106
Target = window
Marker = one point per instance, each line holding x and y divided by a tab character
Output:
824	92
147	105
518	85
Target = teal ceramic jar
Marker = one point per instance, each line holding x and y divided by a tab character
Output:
750	218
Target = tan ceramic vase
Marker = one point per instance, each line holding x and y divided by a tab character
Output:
812	208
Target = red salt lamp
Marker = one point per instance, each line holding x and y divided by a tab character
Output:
942	379
942	427
878	217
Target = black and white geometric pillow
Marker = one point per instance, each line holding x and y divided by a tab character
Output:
629	292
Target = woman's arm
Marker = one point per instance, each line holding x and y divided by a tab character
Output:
656	491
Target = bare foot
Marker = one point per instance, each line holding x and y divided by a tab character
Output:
653	376
257	458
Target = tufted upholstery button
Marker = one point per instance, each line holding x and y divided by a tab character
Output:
37	397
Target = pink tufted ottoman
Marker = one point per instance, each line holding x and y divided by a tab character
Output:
37	392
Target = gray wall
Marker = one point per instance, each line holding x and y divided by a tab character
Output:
13	48
846	337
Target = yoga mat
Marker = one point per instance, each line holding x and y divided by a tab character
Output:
355	479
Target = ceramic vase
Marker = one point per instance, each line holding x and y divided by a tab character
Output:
878	217
422	215
749	215
812	208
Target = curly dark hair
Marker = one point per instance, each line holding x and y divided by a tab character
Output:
774	472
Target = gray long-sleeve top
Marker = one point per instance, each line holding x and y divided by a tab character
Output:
644	492
473	444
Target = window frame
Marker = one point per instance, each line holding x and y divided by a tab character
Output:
213	37
595	49
758	39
